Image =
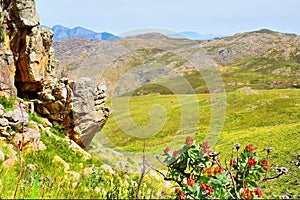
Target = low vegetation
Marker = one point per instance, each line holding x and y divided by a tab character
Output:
58	172
269	118
200	174
7	103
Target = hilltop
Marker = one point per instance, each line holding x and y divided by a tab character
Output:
260	59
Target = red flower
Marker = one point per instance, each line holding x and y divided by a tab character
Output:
167	150
189	141
175	153
204	150
250	148
218	170
177	190
258	192
232	162
247	194
251	162
207	189
265	164
205	145
191	182
208	171
182	196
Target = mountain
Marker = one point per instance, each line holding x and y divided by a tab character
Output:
192	35
151	63
151	35
62	33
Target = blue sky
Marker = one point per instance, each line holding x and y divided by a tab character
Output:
220	17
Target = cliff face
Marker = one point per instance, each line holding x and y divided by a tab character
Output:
28	49
28	69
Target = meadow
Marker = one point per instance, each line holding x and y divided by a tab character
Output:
267	119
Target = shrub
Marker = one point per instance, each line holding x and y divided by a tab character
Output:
57	129
8	103
35	117
200	174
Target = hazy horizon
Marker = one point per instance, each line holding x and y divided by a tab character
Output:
213	17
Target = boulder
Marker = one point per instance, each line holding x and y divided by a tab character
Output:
31	140
248	90
58	159
17	117
88	118
75	147
4	122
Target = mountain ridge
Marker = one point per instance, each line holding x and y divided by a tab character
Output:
154	59
62	33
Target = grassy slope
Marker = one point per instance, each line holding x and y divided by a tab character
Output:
270	118
267	119
257	72
49	179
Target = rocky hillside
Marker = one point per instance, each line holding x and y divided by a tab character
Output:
29	69
230	50
243	60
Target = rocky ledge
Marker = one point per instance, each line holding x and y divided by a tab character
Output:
28	69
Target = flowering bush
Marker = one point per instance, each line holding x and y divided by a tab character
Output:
200	174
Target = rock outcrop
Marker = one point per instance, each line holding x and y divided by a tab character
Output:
76	105
26	49
28	69
14	125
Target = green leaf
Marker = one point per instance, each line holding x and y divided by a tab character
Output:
35	186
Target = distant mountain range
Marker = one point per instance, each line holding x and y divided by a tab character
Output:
151	62
192	35
62	33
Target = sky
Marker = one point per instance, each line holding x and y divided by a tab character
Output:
219	17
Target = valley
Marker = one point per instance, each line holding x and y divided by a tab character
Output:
88	115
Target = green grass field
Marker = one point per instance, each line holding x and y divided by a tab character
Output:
270	118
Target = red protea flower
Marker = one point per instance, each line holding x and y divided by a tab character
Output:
189	141
247	194
218	170
207	189
265	164
177	190
167	150
205	145
208	171
258	192
251	162
232	162
191	182
175	153
204	150
182	196
250	148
